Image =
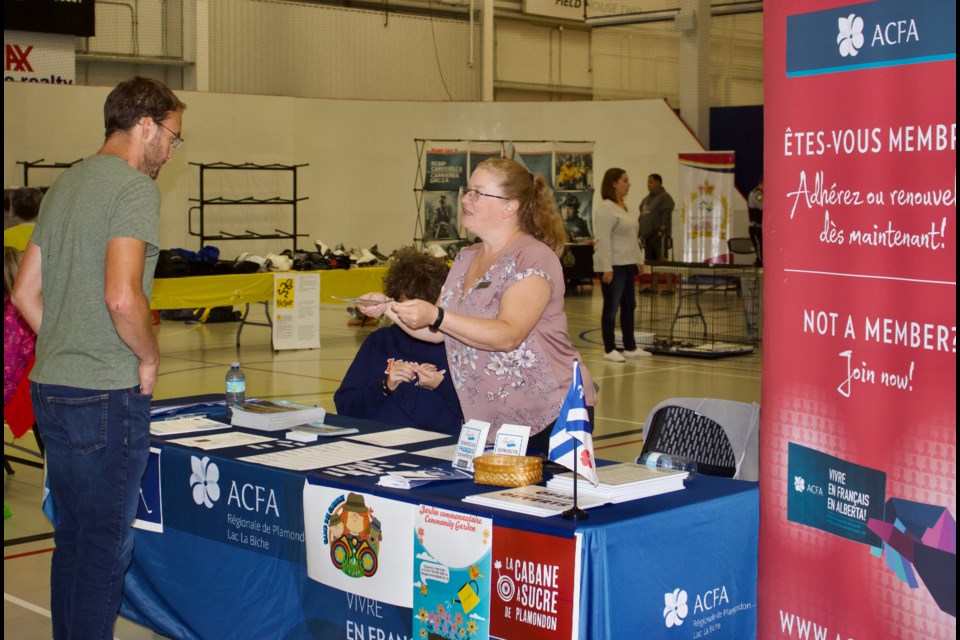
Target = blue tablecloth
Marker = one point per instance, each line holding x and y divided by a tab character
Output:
679	565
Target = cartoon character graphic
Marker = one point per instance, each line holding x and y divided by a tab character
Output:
354	542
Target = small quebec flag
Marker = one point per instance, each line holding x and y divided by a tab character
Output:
571	432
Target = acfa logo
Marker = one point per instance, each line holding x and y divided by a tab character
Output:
203	481
798	484
675	608
850	36
16	58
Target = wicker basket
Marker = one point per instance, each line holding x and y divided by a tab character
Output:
507	471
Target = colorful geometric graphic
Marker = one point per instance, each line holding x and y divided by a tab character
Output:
923	538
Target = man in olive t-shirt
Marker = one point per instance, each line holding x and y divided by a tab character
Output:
84	287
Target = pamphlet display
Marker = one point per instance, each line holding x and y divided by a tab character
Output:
275	415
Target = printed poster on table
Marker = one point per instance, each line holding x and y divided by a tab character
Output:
536	584
296	311
359	543
859	363
451	576
706	187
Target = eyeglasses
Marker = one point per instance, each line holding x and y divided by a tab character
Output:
472	195
176	140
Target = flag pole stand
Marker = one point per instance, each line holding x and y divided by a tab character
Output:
575	512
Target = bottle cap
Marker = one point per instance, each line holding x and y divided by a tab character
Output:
234	364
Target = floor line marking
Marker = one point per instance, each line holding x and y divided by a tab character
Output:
29	606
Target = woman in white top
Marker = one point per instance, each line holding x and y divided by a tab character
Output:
617	256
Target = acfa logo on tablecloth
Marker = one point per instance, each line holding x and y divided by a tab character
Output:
203	481
675	607
798	484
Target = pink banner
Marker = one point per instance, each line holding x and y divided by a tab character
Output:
858	433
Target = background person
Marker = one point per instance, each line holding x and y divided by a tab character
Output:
755	212
84	287
398	379
656	220
25	205
616	255
500	312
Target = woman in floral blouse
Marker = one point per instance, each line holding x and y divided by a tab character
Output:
500	312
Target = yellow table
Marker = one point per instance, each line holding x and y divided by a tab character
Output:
217	291
197	292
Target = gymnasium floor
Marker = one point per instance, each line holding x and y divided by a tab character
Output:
195	359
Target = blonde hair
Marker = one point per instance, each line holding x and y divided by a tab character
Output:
11	266
537	214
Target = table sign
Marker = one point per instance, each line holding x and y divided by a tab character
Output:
473	438
536	580
511	440
359	543
296	311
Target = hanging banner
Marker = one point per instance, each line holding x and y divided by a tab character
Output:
576	208
706	187
46	58
441	215
446	169
858	434
574	166
480	151
296	311
537	157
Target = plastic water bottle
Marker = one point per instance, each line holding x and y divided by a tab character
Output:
657	460
236	388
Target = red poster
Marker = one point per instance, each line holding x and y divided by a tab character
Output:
535	581
858	432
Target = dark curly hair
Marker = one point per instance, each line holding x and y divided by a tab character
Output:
131	100
415	275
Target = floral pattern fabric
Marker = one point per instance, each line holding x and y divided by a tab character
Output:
18	345
525	386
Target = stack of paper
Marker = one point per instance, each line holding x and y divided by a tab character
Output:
275	415
535	500
411	479
624	481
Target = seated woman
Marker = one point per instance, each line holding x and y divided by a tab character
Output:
398	379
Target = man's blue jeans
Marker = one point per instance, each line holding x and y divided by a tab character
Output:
97	444
619	295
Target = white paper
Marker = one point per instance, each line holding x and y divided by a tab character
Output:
397	437
221	440
445	452
320	456
185	424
